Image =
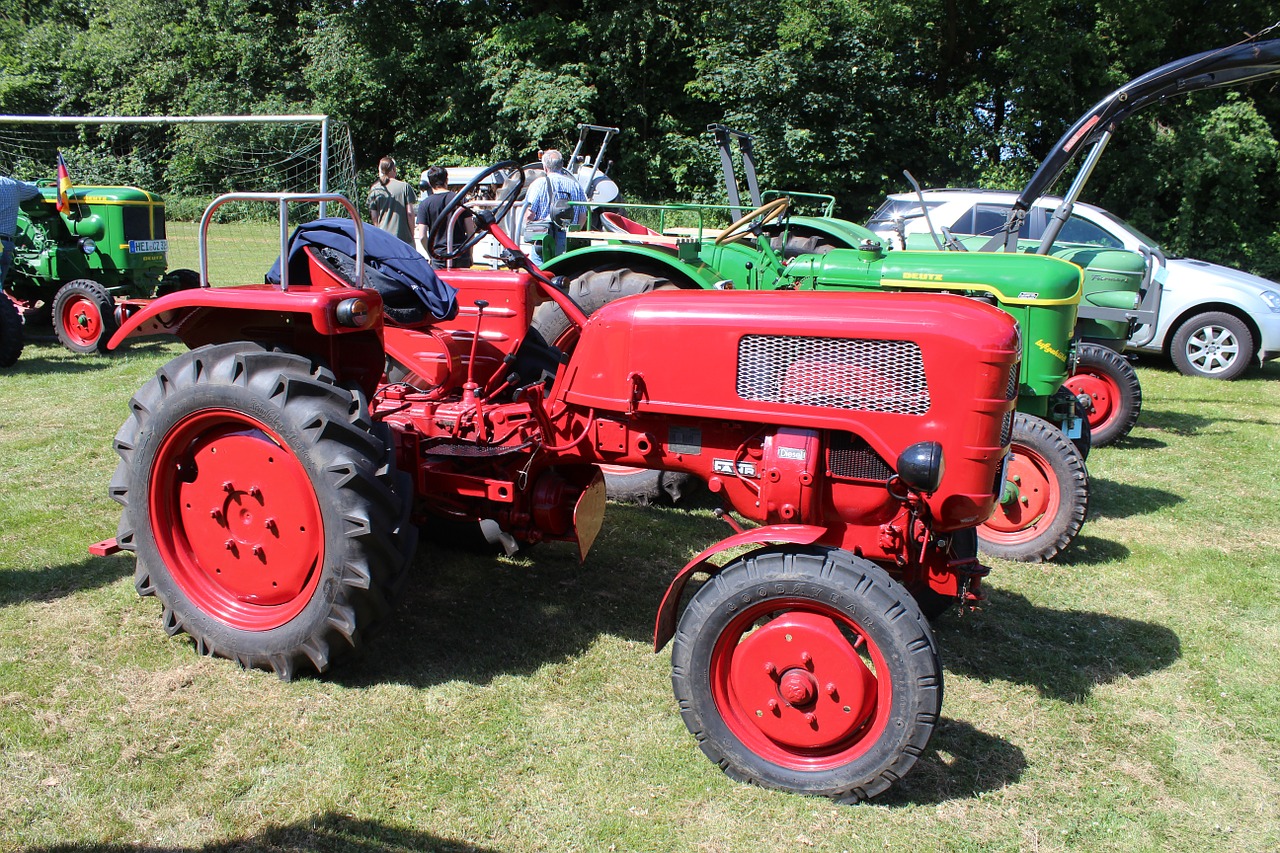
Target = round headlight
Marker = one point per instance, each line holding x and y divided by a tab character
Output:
88	246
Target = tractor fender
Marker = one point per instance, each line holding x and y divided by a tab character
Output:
303	320
642	258
794	534
842	232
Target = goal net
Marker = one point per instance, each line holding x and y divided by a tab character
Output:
190	160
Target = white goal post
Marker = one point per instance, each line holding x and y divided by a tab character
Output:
190	160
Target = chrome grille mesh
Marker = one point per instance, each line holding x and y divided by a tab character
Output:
840	373
1012	391
1006	429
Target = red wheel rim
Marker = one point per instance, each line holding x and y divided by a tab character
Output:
1033	504
1102	390
236	520
81	320
800	684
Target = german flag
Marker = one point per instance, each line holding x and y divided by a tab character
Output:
64	184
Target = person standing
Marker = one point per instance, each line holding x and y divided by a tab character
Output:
12	193
391	202
547	210
429	208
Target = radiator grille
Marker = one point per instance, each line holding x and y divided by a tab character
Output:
1012	390
1006	429
840	373
851	457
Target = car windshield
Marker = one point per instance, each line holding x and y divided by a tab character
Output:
898	208
1120	225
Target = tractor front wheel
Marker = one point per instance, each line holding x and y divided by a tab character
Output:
809	672
1045	498
593	290
264	507
1112	385
84	316
10	331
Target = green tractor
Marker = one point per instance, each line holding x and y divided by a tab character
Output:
87	268
1045	492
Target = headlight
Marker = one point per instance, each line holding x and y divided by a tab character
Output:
1271	298
88	246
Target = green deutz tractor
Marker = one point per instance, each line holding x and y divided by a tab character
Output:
1045	495
89	267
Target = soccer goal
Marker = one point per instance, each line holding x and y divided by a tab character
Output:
190	160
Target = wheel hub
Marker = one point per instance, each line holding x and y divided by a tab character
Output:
236	518
1101	395
1026	497
802	683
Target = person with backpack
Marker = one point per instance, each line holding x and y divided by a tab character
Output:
547	208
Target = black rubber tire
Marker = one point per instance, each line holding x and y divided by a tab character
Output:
178	280
934	605
1226	331
1115	370
349	466
808	582
11	338
1047	535
102	303
592	290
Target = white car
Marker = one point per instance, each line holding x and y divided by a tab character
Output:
1213	321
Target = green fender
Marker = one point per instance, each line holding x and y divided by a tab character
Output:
839	231
649	259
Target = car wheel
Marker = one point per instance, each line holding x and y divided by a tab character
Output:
1215	345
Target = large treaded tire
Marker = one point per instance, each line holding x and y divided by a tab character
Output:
744	687
1112	384
84	316
11	339
281	552
1215	345
1051	500
593	290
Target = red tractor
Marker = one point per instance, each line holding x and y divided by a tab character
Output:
273	478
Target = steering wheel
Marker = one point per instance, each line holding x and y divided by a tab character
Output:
507	198
765	213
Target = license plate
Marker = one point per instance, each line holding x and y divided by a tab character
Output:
143	247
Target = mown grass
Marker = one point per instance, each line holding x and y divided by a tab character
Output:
1124	697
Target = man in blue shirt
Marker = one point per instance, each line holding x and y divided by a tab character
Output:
546	210
12	193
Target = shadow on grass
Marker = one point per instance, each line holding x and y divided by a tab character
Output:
68	363
960	763
1177	423
18	586
472	616
1064	654
1091	551
1116	499
328	832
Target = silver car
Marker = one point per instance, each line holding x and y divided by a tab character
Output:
1213	321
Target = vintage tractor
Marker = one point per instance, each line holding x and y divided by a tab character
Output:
1045	499
88	268
273	476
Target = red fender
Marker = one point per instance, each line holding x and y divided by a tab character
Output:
796	534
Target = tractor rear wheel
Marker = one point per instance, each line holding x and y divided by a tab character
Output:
84	316
264	507
809	672
1111	383
593	290
1045	499
176	280
10	331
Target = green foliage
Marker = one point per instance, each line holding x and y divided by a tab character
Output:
842	95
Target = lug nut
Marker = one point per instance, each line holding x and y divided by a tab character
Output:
228	487
255	492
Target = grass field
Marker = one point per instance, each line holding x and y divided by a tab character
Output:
1126	697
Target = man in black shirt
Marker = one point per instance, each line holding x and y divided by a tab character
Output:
429	208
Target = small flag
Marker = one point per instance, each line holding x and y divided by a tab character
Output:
64	184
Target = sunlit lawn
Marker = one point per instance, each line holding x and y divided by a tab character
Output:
1125	697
